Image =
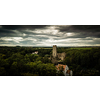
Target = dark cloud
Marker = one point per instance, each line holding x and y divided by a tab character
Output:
79	28
5	31
2	41
49	34
16	30
87	28
81	31
21	27
8	42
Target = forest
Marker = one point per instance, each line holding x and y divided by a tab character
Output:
19	61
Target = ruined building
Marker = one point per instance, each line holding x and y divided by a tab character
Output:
58	55
54	51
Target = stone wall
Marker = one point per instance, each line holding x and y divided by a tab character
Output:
55	55
61	55
54	51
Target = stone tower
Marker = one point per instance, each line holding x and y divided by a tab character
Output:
54	53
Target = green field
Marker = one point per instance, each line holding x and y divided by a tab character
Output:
82	48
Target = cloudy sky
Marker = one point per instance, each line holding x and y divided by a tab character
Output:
48	35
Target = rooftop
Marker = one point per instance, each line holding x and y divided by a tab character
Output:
60	65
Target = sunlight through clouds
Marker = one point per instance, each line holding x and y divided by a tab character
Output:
47	35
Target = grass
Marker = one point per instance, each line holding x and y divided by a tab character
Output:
82	48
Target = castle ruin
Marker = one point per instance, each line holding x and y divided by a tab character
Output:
58	55
54	53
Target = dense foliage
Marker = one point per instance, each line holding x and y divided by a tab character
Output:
20	61
83	61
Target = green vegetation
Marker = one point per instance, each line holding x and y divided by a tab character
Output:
17	61
81	48
83	61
